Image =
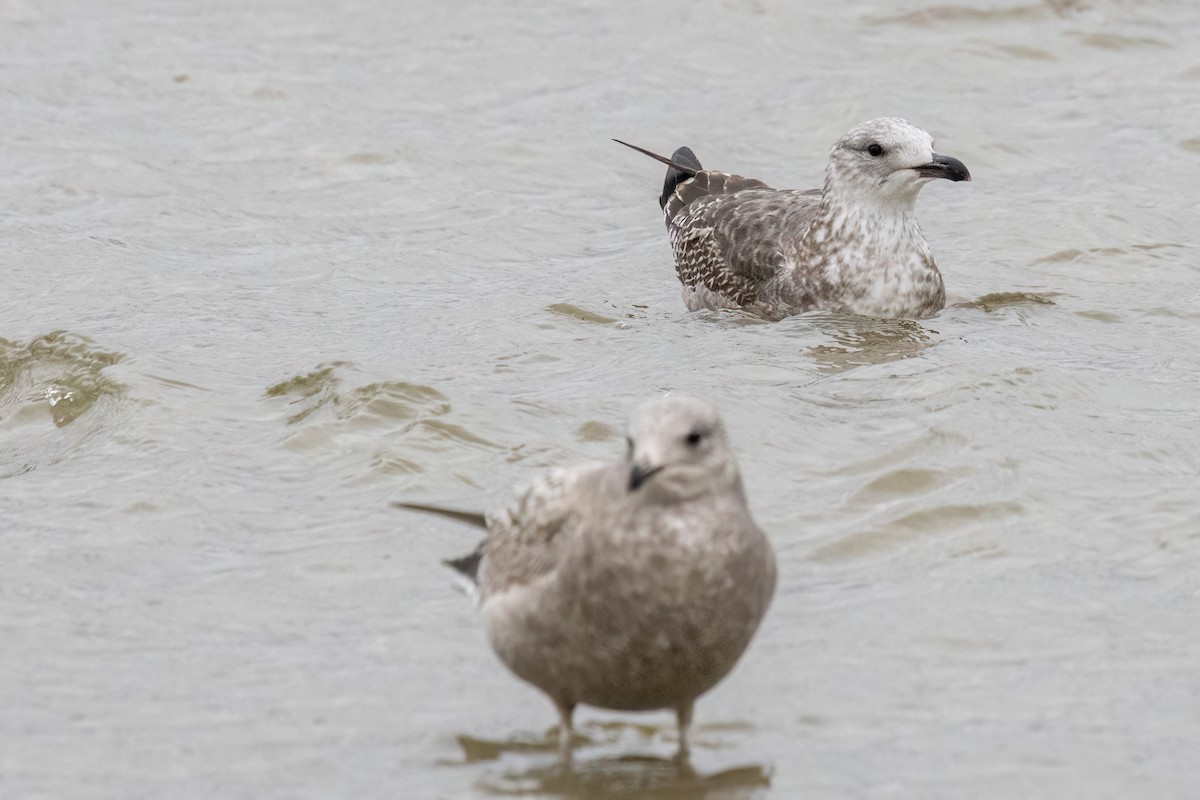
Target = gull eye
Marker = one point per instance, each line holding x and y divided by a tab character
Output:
693	438
875	150
629	445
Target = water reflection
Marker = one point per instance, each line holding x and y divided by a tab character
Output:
323	390
990	303
60	371
533	767
938	14
862	341
632	776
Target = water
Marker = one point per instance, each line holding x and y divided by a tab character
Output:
270	266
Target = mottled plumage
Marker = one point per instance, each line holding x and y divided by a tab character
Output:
635	585
853	246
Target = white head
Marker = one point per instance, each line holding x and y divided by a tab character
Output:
678	450
887	160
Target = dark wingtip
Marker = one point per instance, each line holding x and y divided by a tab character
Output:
468	565
683	157
687	158
469	517
682	166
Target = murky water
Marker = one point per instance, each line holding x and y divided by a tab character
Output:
269	266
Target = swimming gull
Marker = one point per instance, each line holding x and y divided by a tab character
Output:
853	246
630	586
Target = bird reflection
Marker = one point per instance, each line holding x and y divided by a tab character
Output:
534	767
998	301
863	341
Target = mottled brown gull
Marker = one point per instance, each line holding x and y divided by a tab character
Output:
630	586
852	246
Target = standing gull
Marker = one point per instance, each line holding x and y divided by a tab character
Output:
853	246
629	586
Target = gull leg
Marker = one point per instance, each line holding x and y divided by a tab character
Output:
683	715
565	729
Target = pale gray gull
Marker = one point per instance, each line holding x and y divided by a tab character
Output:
630	586
852	246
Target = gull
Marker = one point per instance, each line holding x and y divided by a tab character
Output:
631	586
853	246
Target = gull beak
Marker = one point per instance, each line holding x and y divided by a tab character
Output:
944	167
639	474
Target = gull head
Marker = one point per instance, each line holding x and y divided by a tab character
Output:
678	450
887	161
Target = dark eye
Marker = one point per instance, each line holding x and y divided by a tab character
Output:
875	150
629	444
693	438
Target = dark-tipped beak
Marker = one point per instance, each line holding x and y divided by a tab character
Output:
639	474
945	167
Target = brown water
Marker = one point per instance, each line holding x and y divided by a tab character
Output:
268	266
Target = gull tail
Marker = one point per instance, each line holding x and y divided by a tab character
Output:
683	165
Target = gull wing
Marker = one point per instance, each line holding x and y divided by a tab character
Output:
728	232
526	539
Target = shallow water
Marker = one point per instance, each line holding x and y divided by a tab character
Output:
268	267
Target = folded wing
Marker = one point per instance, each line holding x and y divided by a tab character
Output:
729	232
